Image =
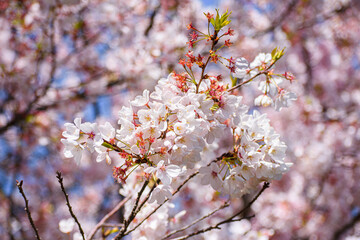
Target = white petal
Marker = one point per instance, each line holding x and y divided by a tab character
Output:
173	170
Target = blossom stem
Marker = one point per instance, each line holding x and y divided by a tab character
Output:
249	80
214	41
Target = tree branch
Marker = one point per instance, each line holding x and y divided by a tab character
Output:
152	18
133	212
230	219
250	79
19	185
150	214
60	179
226	204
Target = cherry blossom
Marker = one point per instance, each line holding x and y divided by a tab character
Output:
67	225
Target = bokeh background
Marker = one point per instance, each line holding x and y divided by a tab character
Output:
61	59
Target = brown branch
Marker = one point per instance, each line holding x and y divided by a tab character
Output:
19	185
226	204
133	212
230	219
250	79
152	18
175	192
107	216
146	198
214	39
60	179
152	212
109	225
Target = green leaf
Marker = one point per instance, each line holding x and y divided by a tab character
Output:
276	54
79	24
233	81
111	231
214	107
220	21
107	145
273	52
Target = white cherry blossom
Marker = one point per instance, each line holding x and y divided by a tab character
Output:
72	130
160	193
263	100
66	225
141	100
241	68
164	173
284	99
211	175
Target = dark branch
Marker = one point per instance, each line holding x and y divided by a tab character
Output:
133	212
230	219
175	192
226	204
60	179
152	18
19	185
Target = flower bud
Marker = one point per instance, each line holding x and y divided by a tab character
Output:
263	100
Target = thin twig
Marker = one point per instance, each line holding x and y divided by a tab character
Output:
228	220
152	212
250	79
146	198
122	234
19	185
132	215
226	204
152	18
107	216
109	225
60	179
214	42
133	212
265	186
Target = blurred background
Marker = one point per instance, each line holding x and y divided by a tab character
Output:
62	59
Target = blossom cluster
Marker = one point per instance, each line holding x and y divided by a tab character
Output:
163	134
272	93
